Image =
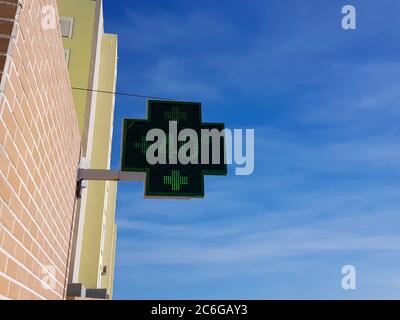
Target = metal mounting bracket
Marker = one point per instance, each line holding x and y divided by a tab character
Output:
105	175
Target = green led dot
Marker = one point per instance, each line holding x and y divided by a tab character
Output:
143	145
175	114
176	181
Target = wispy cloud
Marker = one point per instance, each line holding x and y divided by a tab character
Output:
325	191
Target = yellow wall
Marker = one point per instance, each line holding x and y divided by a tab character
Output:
110	240
80	45
100	212
99	228
105	103
94	216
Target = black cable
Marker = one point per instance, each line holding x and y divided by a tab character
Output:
121	94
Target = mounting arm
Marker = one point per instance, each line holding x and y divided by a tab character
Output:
108	175
85	175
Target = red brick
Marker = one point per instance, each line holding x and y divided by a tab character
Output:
3	59
12	269
3	262
3	132
10	122
20	256
18	115
12	152
41	138
13	179
7	218
8	10
5	191
16	206
17	60
4	163
8	243
4	43
4	285
13	291
18	231
6	27
24	294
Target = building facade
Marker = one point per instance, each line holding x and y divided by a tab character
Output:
40	148
53	121
92	63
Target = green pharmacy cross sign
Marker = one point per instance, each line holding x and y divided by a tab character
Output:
172	178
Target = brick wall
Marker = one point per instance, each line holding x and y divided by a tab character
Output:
7	13
40	147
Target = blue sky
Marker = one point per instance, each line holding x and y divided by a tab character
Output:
325	191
